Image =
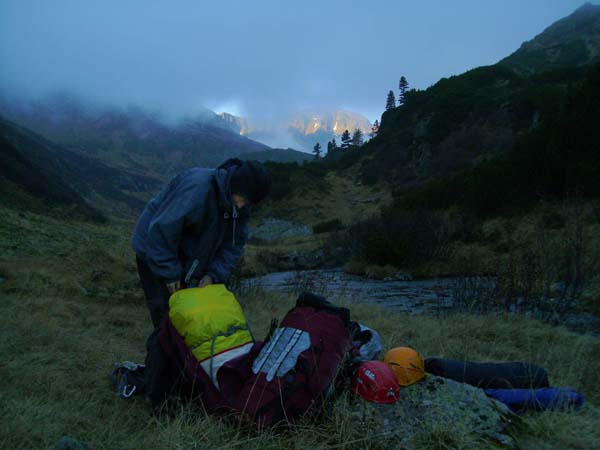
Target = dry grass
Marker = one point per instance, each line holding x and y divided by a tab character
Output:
260	259
345	199
67	318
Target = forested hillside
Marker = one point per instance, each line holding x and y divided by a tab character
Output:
464	120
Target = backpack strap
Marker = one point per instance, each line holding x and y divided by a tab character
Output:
128	379
230	331
272	328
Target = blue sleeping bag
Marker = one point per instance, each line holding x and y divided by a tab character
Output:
552	398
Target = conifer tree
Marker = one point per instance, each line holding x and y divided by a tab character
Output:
403	86
374	129
317	150
391	101
357	138
329	147
334	144
346	139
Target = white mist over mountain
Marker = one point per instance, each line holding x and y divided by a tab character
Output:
254	59
301	130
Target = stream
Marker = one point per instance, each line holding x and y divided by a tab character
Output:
427	296
413	297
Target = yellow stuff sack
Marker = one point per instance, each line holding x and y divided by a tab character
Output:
210	320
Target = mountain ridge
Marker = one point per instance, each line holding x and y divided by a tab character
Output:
133	139
466	119
571	41
301	130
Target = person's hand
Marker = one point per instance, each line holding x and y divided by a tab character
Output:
205	281
174	286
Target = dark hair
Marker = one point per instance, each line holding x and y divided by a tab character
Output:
252	181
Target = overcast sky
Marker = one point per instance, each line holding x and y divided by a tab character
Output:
256	58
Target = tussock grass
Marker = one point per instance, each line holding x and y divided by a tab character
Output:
260	259
312	204
71	307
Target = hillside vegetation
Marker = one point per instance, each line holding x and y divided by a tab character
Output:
312	194
572	41
557	157
492	143
277	155
464	120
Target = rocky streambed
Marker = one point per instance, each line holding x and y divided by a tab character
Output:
429	296
406	296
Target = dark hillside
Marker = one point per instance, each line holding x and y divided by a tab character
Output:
559	157
132	139
547	184
572	41
18	174
437	130
280	155
49	171
490	146
464	120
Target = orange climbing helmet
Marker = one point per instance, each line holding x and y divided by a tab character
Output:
407	365
375	382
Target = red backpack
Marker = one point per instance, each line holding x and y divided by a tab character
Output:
294	371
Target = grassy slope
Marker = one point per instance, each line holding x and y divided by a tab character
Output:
547	231
71	307
262	258
277	154
341	196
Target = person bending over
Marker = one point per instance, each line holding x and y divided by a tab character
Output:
193	232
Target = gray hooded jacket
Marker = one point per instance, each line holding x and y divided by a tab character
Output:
191	228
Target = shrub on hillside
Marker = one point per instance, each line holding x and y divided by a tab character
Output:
378	272
355	267
281	176
327	226
291	177
403	238
554	159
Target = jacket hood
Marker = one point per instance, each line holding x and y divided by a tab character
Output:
222	179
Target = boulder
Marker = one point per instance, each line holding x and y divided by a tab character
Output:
437	406
300	260
271	229
69	443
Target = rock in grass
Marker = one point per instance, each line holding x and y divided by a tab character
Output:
69	443
272	229
439	409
